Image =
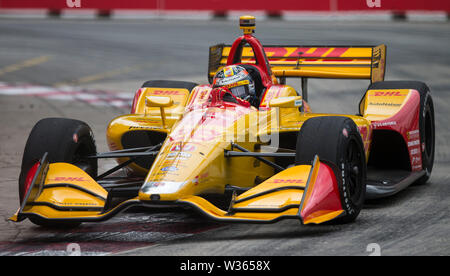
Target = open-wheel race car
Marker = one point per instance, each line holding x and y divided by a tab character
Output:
244	148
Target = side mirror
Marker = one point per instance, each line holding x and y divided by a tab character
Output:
161	102
287	102
158	101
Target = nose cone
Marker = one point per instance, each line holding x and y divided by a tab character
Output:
192	161
179	171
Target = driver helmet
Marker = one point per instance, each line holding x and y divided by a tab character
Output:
237	80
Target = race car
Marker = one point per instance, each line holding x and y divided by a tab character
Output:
244	148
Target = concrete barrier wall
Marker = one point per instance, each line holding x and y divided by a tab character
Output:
228	5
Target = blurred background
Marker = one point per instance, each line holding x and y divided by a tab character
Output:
219	8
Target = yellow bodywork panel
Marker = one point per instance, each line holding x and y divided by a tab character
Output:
217	214
281	192
68	194
282	196
382	104
179	97
67	173
67	187
277	91
286	181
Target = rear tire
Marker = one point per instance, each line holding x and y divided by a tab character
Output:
426	121
65	140
337	142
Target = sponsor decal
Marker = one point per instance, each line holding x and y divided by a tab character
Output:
200	177
239	83
228	72
298	102
146	121
230	80
413	134
162	187
169	169
294	181
384	124
178	155
185	147
414	151
416	160
67	179
295	52
413	143
385	104
167	92
144	127
388	94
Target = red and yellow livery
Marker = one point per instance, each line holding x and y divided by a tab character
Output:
183	144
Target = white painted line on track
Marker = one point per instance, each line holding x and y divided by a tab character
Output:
68	93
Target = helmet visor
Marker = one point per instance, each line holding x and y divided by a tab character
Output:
240	91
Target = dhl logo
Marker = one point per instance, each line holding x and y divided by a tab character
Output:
167	92
388	94
307	53
293	52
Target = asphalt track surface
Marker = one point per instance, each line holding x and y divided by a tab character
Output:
91	69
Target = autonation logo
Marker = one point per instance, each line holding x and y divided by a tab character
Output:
73	3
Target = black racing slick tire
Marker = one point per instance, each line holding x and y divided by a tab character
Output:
65	140
337	142
426	121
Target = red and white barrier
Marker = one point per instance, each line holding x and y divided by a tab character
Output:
222	8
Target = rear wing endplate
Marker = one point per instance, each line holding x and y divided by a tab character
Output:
334	62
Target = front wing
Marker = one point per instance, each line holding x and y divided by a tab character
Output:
309	193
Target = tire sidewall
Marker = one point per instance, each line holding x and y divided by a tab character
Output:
351	207
427	157
61	138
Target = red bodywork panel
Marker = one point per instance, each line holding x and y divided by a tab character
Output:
323	199
406	122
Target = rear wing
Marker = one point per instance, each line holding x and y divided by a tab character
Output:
335	62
